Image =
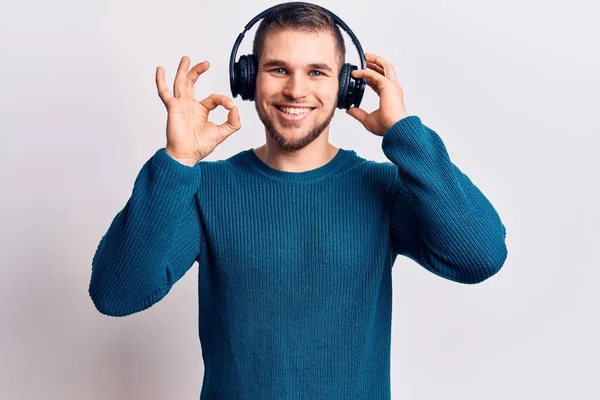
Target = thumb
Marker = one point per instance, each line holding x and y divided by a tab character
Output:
357	113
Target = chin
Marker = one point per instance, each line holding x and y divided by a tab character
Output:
292	137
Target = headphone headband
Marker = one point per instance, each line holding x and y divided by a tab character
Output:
359	82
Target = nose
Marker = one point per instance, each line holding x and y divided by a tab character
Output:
295	87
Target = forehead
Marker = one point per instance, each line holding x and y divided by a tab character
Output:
299	48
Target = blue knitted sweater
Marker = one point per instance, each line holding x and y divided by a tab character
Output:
295	268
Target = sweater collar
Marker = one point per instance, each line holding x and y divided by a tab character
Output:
322	172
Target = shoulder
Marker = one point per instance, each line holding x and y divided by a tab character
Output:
379	175
221	172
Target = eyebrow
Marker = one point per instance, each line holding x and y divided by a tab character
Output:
281	63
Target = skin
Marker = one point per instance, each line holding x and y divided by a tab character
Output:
302	145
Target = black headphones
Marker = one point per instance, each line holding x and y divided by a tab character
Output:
242	74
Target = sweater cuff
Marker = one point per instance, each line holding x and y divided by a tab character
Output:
408	128
171	172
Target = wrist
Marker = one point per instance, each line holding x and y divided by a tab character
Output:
189	161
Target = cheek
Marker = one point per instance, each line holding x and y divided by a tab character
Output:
265	90
259	89
329	92
327	99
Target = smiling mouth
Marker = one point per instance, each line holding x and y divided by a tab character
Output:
293	116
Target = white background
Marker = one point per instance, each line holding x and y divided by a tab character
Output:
511	86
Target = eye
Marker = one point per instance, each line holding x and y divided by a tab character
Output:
283	69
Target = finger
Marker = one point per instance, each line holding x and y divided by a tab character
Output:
180	77
374	79
214	100
197	70
375	67
369	82
161	86
373	86
358	113
232	124
388	67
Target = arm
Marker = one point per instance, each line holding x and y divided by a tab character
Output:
439	218
152	242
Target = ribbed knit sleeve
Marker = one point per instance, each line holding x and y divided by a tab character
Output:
152	242
439	218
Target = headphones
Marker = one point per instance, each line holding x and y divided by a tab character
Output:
242	74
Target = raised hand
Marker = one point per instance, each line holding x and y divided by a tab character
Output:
190	136
381	77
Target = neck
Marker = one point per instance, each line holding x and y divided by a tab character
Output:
314	155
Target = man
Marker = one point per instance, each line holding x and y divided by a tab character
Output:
296	239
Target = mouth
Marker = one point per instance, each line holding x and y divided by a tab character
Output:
293	114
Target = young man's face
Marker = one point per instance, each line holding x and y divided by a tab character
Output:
286	77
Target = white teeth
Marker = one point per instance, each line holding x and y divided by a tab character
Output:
294	111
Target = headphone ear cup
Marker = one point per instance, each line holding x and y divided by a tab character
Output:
252	67
246	84
358	90
234	79
351	89
242	82
344	82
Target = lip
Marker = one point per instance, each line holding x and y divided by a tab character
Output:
292	118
